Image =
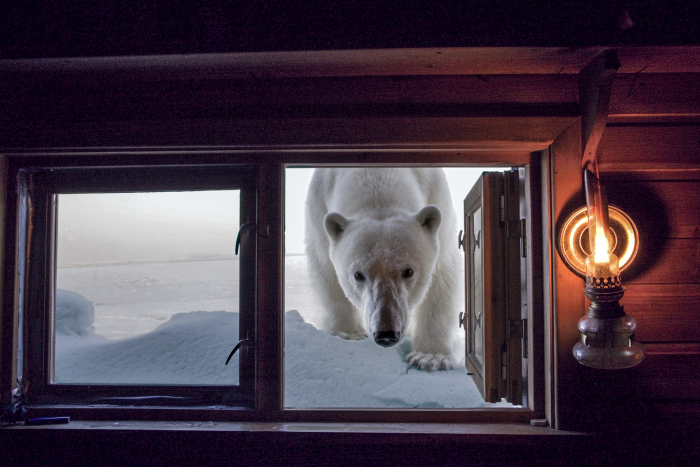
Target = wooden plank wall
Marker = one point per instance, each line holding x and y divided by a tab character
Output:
650	163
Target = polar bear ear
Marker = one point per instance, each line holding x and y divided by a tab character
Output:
429	218
335	225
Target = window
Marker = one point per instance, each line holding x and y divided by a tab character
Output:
331	371
139	281
495	249
55	268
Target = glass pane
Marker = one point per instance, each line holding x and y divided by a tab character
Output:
352	371
146	288
477	285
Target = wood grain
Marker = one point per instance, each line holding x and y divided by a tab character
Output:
568	303
678	263
678	200
669	376
397	61
382	62
215	96
647	94
629	148
668	313
525	133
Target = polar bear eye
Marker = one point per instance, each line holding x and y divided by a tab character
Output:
407	273
359	276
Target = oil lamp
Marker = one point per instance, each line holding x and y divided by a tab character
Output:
607	332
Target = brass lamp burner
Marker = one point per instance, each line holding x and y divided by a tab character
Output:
574	244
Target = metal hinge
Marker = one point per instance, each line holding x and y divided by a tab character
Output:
503	210
518	229
517	329
504	362
523	238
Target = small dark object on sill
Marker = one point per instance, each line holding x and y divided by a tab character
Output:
36	421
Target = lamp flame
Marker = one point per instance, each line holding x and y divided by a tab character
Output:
601	247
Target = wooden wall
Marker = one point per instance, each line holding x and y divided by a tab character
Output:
652	171
649	159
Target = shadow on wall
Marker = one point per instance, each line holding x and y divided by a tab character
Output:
649	213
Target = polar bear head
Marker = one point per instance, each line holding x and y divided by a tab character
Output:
385	266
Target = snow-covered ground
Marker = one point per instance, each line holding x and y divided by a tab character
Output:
175	323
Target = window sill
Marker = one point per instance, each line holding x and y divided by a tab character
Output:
266	443
482	430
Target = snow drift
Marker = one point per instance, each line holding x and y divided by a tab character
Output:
190	348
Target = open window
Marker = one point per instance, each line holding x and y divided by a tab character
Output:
136	283
323	370
495	249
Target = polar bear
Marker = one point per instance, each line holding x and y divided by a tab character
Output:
382	254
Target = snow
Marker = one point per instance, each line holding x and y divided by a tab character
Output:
190	348
326	371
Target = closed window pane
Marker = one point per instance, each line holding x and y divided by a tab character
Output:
146	288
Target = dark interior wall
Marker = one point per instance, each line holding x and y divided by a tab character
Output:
652	171
88	28
650	164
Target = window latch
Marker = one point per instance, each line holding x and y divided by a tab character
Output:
244	342
247	225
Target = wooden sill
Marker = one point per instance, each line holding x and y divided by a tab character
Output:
480	430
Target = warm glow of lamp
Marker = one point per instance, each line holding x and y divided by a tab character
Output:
601	248
602	264
607	332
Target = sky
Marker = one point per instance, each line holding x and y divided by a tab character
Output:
128	227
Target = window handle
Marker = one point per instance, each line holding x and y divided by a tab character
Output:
247	225
235	349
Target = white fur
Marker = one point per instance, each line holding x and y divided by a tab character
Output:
380	222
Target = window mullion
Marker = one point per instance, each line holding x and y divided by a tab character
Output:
270	281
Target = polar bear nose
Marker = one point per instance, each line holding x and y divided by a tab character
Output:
386	338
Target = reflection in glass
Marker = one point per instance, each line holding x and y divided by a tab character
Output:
477	287
146	288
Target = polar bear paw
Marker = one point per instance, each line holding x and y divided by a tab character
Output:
351	336
431	362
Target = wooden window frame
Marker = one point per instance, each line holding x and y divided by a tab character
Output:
38	187
270	283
